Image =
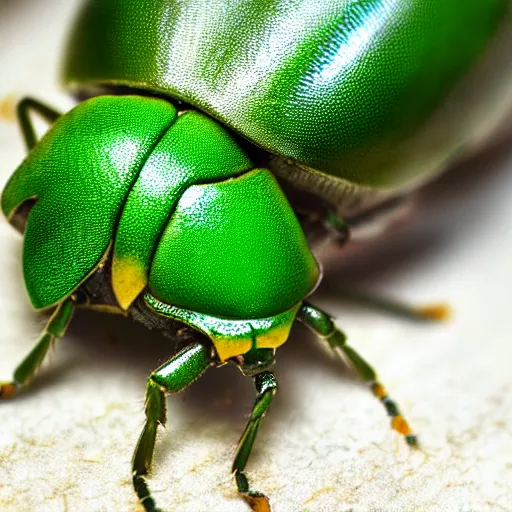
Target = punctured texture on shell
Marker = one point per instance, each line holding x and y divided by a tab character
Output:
195	150
234	249
79	174
177	199
341	86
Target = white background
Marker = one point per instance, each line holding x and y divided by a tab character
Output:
325	445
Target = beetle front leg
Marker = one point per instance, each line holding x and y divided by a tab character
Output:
55	328
176	374
266	387
25	106
323	326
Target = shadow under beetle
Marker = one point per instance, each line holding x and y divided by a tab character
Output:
160	196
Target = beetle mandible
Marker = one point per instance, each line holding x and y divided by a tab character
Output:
198	114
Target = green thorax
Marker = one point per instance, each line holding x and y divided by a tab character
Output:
172	199
232	337
361	90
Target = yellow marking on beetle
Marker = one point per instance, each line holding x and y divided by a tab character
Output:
227	348
257	503
379	390
231	337
436	312
399	424
7	390
128	280
275	337
8	108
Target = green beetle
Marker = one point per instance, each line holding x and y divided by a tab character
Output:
160	196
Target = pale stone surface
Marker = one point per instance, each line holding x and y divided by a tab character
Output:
325	446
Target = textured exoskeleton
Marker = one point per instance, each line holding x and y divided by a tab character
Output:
356	101
161	197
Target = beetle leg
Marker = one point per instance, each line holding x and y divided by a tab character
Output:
427	313
25	106
266	387
55	328
173	376
337	225
323	326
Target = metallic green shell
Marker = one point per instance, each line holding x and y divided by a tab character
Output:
195	150
363	90
80	174
177	199
234	250
230	337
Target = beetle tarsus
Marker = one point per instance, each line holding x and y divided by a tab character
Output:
257	501
412	441
8	390
398	422
434	312
141	488
266	387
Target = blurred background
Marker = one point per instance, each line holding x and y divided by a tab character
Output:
325	445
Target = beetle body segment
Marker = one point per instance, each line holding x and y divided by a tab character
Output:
177	198
80	174
194	149
232	338
237	249
366	92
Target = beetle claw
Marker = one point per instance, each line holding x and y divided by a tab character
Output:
8	390
257	501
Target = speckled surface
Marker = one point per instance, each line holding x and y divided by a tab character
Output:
325	445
